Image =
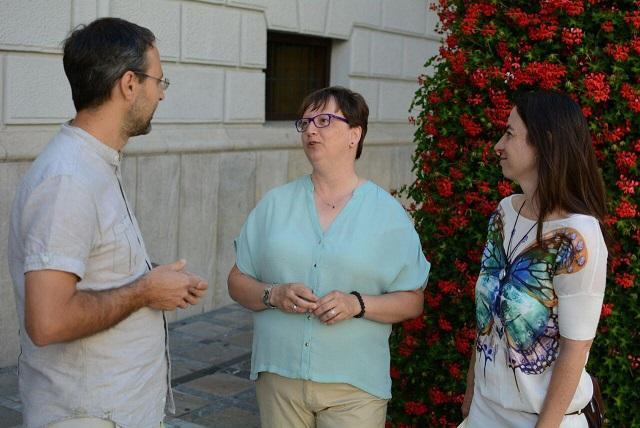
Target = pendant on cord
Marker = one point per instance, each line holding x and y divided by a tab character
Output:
502	274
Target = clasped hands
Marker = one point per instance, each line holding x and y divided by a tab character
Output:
333	307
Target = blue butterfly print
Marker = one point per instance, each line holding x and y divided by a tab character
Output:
518	309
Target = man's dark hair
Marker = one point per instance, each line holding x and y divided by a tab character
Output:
351	104
98	54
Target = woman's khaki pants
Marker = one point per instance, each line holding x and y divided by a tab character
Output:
286	402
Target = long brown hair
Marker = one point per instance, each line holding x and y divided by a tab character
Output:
568	174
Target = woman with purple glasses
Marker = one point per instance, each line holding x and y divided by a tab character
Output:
327	263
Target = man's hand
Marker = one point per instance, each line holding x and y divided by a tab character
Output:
168	287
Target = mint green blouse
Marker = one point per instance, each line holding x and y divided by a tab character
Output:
370	247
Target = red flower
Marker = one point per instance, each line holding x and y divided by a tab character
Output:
626	209
407	346
463	340
437	396
444	186
505	188
433	300
607	308
448	146
632	97
447	286
625	280
474	99
572	36
543	31
627	185
522	19
455	173
625	160
460	265
633	19
619	52
597	86
488	30
444	324
607	26
416	324
415	408
394	372
471	128
454	370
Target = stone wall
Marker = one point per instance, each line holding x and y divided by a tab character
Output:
211	155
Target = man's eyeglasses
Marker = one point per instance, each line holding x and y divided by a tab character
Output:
321	120
164	83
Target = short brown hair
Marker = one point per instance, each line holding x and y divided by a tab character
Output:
351	104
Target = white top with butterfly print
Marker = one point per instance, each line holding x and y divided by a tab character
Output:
549	289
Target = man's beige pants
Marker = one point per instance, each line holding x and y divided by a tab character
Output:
286	402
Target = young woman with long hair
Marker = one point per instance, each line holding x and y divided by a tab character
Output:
542	277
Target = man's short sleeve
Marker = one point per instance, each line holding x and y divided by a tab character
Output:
58	226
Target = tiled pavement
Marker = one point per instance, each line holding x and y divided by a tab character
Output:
210	355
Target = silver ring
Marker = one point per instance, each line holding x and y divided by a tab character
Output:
295	307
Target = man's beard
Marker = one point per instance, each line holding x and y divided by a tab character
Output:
136	125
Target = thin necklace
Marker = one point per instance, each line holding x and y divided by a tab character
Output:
333	206
511	252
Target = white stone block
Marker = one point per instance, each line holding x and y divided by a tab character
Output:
375	164
235	201
254	40
157	202
10	177
342	15
298	164
195	95
313	16
282	15
416	53
210	34
360	47
198	223
271	171
160	16
432	21
401	166
84	12
38	90
395	99
367	12
252	4
244	96
405	15
36	25
340	62
386	54
369	89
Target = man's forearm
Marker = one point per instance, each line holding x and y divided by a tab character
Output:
86	312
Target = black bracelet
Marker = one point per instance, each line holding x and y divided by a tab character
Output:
361	314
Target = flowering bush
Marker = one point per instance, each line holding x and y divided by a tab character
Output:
589	49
